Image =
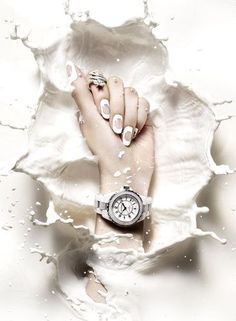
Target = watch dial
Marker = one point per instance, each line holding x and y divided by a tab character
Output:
125	208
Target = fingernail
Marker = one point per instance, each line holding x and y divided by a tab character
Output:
135	132
105	108
117	124
127	135
71	71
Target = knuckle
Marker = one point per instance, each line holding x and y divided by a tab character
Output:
131	90
115	80
75	94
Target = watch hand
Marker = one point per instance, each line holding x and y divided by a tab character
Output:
124	207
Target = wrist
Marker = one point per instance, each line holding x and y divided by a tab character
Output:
139	183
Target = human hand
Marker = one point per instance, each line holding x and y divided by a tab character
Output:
110	115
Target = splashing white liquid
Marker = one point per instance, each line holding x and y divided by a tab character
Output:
58	157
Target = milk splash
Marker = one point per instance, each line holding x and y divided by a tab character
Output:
58	157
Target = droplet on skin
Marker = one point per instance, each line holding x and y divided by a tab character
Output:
121	154
126	170
37	203
117	174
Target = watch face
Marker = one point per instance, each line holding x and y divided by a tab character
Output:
125	208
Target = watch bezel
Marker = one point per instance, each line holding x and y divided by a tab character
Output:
112	200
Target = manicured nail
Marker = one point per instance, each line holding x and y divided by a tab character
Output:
127	135
71	71
135	132
105	108
117	124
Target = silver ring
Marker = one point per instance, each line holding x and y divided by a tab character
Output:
96	78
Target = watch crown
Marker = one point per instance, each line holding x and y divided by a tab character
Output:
126	187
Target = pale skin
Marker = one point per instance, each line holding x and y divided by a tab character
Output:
123	159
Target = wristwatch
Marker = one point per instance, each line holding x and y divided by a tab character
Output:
124	208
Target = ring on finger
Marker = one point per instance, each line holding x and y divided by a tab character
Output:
96	78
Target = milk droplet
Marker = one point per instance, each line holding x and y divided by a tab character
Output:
117	173
6	227
121	154
126	170
38	203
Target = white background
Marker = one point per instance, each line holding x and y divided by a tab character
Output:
202	53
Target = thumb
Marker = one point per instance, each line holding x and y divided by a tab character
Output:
81	93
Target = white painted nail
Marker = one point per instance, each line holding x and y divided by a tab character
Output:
117	123
127	135
71	71
105	108
135	132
